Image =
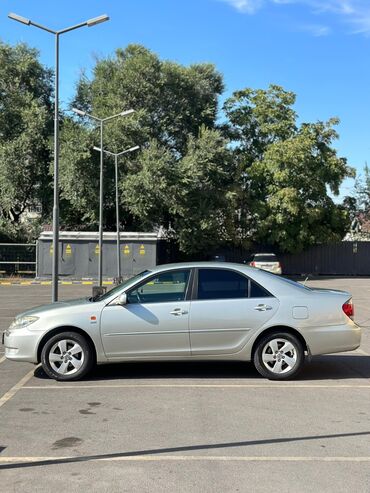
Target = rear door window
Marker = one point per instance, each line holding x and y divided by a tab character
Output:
217	284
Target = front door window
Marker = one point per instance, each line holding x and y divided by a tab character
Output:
170	286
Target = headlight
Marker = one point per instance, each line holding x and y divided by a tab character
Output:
20	323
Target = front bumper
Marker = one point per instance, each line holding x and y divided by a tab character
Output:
21	344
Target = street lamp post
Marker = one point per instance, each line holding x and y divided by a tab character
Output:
116	156
101	192
88	23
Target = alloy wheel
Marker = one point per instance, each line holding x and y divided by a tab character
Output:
66	357
279	356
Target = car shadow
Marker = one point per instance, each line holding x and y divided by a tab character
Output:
328	367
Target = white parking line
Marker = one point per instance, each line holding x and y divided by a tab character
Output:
3	358
211	386
174	458
11	393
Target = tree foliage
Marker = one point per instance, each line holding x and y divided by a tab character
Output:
25	128
171	183
256	175
285	172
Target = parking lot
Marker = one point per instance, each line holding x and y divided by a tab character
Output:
210	427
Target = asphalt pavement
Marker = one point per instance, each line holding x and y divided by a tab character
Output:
186	427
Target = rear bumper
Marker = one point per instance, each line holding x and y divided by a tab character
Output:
333	339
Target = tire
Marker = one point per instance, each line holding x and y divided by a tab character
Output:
279	356
67	356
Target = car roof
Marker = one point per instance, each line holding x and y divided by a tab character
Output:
190	265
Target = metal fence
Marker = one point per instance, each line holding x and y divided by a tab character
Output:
347	258
18	259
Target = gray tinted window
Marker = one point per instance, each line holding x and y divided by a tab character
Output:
258	291
214	284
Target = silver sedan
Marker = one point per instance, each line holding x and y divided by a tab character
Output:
186	312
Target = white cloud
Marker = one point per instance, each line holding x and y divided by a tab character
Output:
246	6
316	30
355	13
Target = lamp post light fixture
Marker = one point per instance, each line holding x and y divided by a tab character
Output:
116	155
88	23
101	122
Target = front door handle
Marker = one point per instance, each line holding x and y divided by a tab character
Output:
177	312
263	308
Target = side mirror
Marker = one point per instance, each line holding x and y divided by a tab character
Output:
122	299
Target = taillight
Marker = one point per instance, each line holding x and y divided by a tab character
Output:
349	309
253	264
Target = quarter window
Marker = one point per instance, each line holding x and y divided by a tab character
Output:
257	291
166	286
216	284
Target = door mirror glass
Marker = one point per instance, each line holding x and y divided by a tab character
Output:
122	299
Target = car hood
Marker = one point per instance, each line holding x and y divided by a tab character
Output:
38	310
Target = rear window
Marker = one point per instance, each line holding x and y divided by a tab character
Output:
287	281
265	258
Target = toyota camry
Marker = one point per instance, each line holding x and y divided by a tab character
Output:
188	311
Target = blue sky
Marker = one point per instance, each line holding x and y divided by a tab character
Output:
320	49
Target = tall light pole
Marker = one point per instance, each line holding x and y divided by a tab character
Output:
88	23
116	156
101	194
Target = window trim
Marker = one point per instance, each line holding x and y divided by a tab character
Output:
188	290
250	280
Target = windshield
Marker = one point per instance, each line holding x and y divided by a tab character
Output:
121	286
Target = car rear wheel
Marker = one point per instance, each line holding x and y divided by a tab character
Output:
67	356
279	356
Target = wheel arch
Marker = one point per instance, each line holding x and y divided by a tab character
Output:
59	330
280	328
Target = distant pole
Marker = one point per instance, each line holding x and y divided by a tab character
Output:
118	222
118	245
88	23
101	198
101	194
55	263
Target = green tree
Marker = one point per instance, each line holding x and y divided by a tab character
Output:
203	213
285	172
292	180
25	128
172	103
362	191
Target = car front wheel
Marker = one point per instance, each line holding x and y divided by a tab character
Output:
67	356
279	356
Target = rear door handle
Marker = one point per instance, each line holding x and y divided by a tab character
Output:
263	308
177	312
